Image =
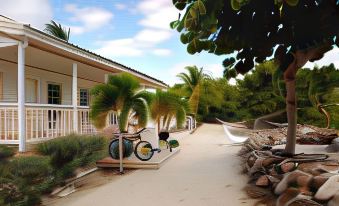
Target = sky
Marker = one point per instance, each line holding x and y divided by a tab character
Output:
135	33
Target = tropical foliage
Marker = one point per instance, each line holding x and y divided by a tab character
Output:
57	30
193	81
166	106
253	28
122	93
256	95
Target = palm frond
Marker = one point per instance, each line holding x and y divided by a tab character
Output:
57	30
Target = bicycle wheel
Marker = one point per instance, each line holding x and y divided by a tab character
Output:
143	151
127	148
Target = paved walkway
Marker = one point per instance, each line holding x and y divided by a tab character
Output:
205	172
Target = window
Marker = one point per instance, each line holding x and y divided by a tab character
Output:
31	86
84	97
54	94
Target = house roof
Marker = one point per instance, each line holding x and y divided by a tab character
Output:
114	63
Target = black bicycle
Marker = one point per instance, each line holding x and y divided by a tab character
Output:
143	150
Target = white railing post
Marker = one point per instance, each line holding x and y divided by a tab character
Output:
75	97
21	96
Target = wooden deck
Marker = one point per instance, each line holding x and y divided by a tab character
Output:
156	162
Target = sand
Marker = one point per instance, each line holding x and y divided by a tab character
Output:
205	172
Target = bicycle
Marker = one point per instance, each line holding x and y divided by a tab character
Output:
143	150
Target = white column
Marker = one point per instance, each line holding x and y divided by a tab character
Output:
75	97
21	97
106	78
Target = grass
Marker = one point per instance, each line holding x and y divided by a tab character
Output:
24	179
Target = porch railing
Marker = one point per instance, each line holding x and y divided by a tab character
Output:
45	122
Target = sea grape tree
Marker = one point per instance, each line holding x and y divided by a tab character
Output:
292	32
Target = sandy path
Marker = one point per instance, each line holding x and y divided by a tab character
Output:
205	172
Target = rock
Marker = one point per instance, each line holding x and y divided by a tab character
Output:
251	160
288	197
304	181
262	181
334	201
287	167
334	146
328	189
304	202
269	161
317	182
289	178
266	180
317	168
256	192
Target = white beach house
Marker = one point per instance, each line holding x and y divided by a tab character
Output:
45	83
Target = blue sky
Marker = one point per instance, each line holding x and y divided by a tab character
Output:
135	33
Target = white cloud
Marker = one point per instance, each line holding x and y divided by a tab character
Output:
121	47
120	6
162	52
152	36
87	18
157	13
156	16
34	12
143	42
330	57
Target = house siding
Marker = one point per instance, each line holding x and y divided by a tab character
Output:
9	71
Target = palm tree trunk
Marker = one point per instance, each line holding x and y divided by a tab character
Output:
324	112
168	122
194	99
164	121
159	125
291	107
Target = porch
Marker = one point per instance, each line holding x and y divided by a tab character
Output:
44	121
45	85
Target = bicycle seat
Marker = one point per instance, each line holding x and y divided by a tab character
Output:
163	136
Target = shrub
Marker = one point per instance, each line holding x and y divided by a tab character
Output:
6	152
31	168
65	149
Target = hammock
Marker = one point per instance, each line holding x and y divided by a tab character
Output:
234	126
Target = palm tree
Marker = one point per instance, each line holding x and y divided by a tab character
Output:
193	81
168	105
57	30
122	93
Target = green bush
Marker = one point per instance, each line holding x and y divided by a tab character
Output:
6	152
32	168
65	149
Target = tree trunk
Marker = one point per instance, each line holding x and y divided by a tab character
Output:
291	107
300	58
169	119
159	125
324	112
